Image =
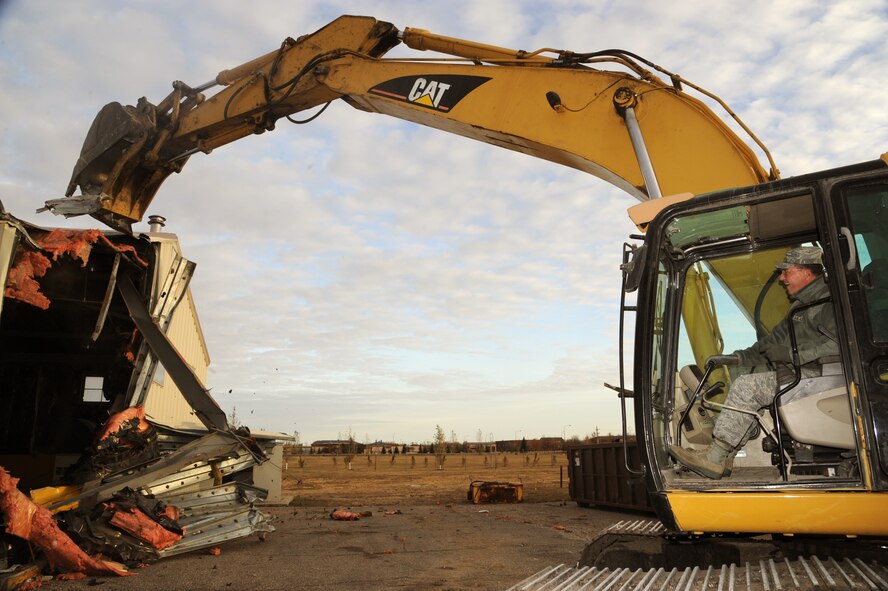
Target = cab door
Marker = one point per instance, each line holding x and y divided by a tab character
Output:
860	209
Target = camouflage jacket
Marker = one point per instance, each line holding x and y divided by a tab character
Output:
813	345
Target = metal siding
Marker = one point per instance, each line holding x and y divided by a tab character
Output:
8	242
164	403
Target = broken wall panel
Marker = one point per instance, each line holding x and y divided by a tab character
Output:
173	308
69	363
58	383
9	238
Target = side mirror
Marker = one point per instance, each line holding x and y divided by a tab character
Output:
633	268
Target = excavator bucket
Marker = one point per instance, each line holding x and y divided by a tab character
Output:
111	164
130	150
114	130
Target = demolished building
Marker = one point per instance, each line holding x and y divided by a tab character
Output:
103	410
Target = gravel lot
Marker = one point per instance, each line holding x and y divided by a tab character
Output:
451	547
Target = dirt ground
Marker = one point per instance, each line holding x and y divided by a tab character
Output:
422	533
414	479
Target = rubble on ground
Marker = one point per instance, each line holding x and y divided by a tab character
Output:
125	504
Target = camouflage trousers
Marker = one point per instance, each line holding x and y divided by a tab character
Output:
748	392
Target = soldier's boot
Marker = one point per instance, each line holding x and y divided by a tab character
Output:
729	465
710	462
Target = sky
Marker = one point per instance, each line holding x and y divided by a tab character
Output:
364	275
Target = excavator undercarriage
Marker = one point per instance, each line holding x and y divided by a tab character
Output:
641	555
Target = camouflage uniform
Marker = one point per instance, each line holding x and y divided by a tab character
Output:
749	392
758	386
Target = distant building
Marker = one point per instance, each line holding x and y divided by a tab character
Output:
541	444
508	445
336	446
480	447
382	447
547	444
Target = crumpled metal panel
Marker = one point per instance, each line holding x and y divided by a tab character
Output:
215	528
208	515
222	498
194	475
212	445
205	408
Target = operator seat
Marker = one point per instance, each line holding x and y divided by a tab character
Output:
816	411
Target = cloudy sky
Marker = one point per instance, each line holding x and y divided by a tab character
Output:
367	274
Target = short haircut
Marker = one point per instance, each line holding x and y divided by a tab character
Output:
816	270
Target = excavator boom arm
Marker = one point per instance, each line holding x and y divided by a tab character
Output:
555	108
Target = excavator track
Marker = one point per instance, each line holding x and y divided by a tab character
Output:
802	574
764	572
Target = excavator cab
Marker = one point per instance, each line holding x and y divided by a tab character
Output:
707	287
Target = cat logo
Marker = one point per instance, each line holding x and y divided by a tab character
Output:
428	93
439	92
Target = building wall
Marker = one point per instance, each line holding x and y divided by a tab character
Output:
164	402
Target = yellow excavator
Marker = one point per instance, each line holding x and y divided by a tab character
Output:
699	278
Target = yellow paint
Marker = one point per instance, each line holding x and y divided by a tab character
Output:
861	434
50	494
425	100
743	276
692	149
799	512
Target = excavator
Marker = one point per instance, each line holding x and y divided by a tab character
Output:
805	504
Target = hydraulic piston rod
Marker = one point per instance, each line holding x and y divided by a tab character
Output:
625	101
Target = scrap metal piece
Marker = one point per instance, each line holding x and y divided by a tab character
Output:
204	518
194	475
206	409
15	576
215	515
495	492
74	206
106	302
215	528
219	499
165	301
212	445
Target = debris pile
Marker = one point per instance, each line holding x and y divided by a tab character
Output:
35	524
495	492
127	505
126	439
85	332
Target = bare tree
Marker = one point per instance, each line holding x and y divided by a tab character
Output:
350	448
233	421
440	443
